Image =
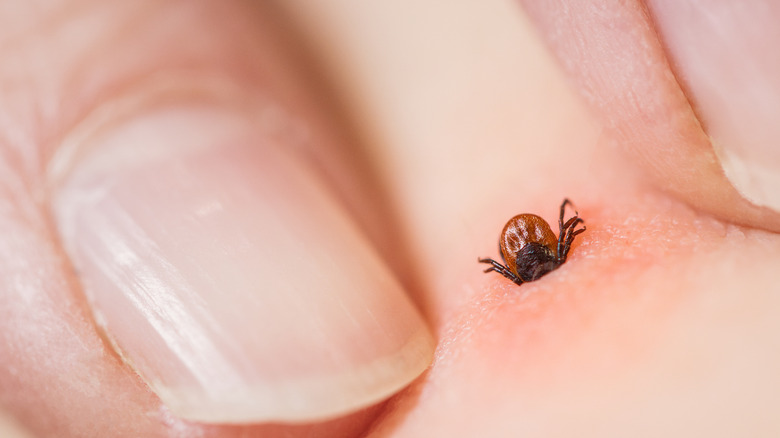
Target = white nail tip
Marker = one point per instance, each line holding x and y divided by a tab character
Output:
306	400
758	183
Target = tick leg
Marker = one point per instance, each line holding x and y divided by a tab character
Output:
501	269
564	239
563	227
498	267
562	232
571	233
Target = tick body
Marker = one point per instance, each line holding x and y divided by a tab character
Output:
529	247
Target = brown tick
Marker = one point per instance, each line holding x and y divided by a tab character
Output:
529	247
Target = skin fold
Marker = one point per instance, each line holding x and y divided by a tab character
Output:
438	125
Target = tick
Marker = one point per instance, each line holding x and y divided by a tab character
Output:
529	247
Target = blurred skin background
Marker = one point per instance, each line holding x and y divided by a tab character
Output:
349	162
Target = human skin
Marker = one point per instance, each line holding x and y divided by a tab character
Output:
662	322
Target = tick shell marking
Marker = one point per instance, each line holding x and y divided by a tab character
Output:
519	232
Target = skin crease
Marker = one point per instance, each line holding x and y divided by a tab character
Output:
662	321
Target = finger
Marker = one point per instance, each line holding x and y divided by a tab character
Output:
477	124
176	188
627	76
455	149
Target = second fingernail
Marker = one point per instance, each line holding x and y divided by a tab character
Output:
227	275
724	53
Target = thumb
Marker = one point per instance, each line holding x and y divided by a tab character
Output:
221	267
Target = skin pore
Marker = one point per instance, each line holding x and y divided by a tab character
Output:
433	129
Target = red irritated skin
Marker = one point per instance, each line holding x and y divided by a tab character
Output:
662	321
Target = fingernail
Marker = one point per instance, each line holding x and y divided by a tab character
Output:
725	55
227	275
